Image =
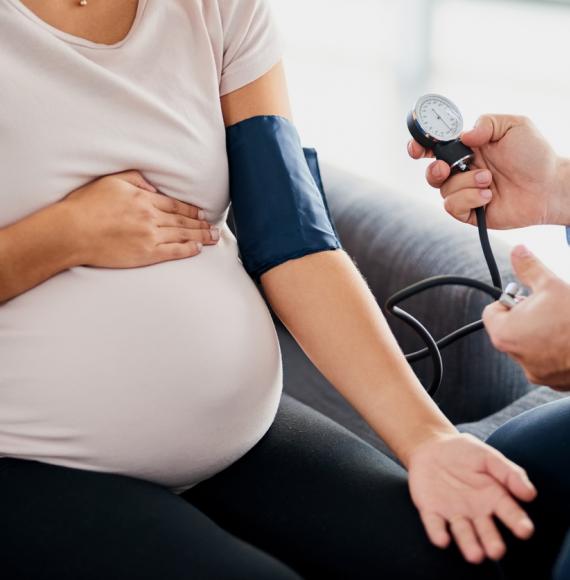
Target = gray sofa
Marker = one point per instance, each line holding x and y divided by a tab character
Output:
395	240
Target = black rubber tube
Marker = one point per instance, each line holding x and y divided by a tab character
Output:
433	347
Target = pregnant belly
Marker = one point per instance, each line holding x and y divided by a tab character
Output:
169	372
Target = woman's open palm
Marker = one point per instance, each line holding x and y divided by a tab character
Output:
459	485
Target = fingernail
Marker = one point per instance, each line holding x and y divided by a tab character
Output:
527	524
486	194
436	171
522	252
201	214
215	233
199	245
483	177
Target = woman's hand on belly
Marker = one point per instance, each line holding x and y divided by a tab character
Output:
122	221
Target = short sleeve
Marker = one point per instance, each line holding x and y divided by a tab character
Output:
251	42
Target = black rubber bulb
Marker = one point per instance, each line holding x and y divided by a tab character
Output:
457	155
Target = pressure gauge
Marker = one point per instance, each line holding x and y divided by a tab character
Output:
435	119
436	123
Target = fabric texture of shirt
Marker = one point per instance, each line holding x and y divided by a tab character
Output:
168	372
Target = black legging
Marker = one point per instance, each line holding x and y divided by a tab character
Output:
539	441
310	494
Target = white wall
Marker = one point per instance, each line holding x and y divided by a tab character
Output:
355	67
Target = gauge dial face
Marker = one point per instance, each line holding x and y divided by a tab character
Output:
439	117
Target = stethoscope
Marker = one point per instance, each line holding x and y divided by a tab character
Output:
436	124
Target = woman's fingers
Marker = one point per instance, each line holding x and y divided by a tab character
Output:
490	538
436	529
168	235
466	538
175	206
135	178
167	252
461	205
514	517
181	221
513	477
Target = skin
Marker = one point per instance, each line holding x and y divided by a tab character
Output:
457	483
521	181
516	174
101	21
117	221
526	332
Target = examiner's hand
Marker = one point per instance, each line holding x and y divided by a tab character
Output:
458	485
516	174
536	333
121	221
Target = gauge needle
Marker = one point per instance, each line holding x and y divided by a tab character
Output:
441	119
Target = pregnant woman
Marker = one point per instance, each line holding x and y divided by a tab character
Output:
141	429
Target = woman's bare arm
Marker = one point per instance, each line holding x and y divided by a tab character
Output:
325	303
116	221
34	249
335	319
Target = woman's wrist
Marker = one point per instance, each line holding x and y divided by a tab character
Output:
71	247
405	417
426	435
36	248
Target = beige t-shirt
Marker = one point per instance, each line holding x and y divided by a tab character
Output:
168	372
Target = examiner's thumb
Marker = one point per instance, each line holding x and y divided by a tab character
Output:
528	268
488	129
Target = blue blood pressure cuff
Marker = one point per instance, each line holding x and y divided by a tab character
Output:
279	207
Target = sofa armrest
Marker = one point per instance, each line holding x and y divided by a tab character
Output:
395	241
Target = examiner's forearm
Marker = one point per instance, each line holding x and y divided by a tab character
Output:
35	249
326	305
